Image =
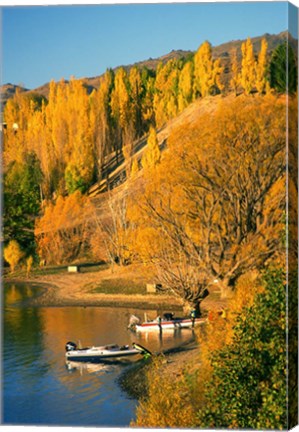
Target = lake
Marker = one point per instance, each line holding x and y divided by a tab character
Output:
39	388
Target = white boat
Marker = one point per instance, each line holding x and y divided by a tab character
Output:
102	353
165	323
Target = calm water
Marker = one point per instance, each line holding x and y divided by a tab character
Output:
40	389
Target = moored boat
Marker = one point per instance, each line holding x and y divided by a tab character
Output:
168	322
102	353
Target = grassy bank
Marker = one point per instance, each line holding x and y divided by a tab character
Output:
95	285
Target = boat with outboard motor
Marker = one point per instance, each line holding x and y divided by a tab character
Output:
167	322
103	353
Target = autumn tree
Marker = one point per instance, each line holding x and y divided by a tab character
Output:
152	154
235	79
218	197
61	233
248	70
185	86
136	95
116	231
206	71
13	254
148	83
120	106
261	68
17	115
166	91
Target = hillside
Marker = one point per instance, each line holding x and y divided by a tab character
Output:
117	168
7	91
221	51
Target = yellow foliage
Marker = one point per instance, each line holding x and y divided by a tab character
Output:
173	401
13	254
29	263
261	68
135	168
61	233
235	71
207	71
168	404
185	86
152	153
248	72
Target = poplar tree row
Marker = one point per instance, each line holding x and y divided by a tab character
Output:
72	133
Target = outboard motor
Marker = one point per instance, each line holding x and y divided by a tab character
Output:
133	321
70	346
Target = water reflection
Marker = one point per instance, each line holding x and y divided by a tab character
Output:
81	367
38	387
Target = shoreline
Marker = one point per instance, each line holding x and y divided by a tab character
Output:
67	290
134	380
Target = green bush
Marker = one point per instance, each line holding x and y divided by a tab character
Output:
248	384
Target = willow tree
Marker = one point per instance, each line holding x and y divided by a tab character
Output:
218	198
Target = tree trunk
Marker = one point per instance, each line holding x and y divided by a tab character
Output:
196	309
193	306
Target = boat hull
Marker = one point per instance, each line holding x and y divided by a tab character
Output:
168	325
95	354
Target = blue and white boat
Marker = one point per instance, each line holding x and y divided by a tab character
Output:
102	353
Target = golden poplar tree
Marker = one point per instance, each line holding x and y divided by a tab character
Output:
185	86
207	72
234	82
100	119
78	153
261	68
120	105
17	116
217	79
248	71
203	67
148	114
152	154
166	92
135	84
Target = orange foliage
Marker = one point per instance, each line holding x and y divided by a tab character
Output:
61	233
216	200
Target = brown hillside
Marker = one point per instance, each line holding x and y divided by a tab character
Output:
116	180
221	51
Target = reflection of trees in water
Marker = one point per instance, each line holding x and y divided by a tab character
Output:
23	329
